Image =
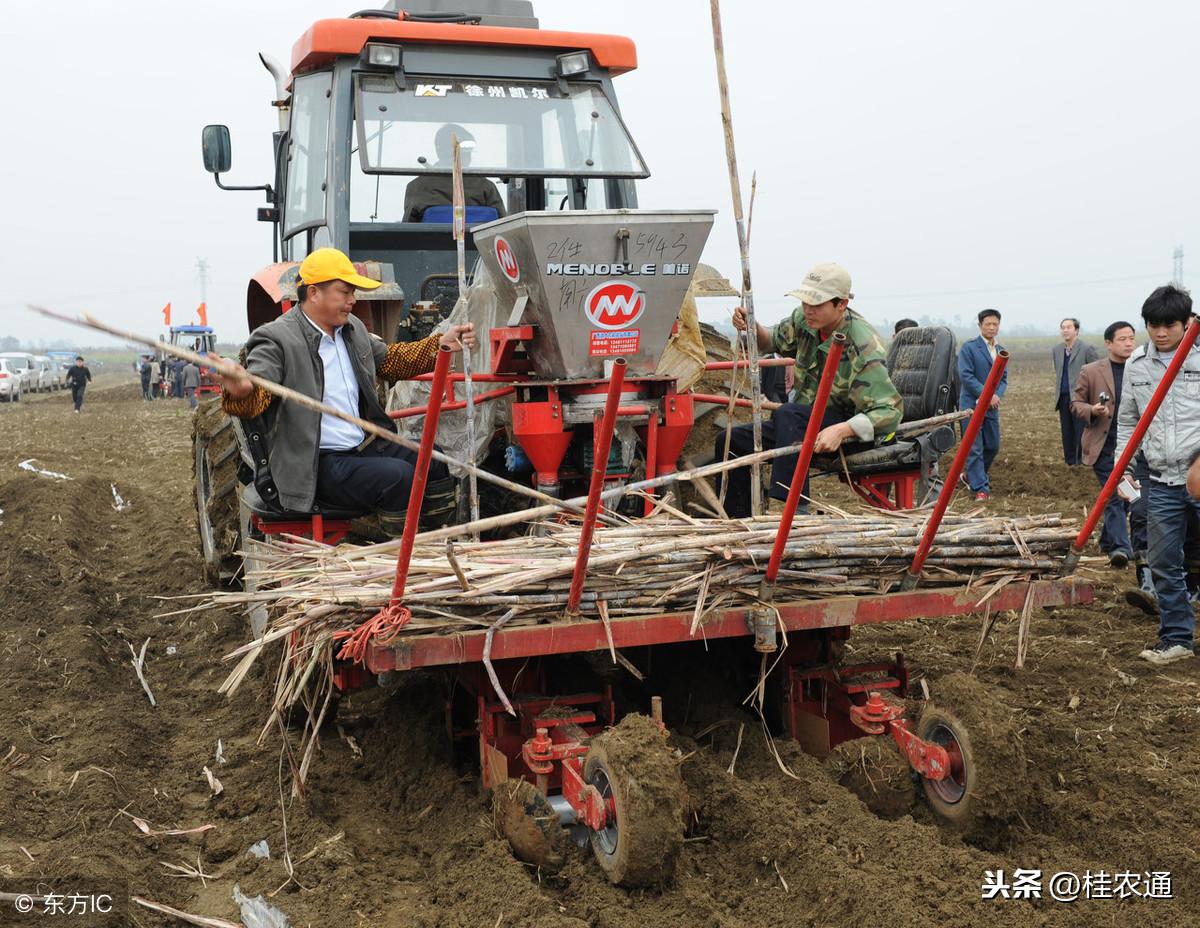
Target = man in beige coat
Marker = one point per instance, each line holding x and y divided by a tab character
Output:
1094	402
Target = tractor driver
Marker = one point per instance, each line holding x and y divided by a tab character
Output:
321	350
437	189
863	404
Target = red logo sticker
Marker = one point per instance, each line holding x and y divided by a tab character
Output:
615	304
508	260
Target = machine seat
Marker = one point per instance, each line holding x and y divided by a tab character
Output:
268	513
475	214
922	363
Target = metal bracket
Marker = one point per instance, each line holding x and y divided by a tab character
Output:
518	310
761	623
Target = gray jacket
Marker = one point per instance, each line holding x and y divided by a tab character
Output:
1081	354
1175	431
191	377
285	351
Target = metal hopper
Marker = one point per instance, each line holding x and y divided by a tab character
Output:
595	285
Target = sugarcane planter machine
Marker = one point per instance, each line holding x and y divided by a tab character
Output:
589	301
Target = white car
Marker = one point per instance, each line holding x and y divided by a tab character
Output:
10	381
22	363
49	376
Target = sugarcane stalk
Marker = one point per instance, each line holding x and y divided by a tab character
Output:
743	252
460	235
229	369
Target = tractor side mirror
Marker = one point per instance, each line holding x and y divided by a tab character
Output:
217	151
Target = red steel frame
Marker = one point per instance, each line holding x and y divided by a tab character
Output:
669	628
316	527
1135	441
836	346
420	474
878	489
602	442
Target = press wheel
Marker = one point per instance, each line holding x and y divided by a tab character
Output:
950	798
639	780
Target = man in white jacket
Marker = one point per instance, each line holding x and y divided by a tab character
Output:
1168	445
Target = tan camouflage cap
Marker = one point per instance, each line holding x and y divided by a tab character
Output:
824	282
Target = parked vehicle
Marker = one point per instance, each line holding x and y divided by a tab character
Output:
50	378
10	381
23	364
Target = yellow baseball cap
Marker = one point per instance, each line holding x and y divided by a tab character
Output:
823	283
330	264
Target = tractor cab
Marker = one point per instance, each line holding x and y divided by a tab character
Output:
198	338
369	112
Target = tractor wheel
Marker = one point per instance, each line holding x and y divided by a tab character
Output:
524	816
951	798
634	771
215	484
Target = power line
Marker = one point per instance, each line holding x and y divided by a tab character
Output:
1022	287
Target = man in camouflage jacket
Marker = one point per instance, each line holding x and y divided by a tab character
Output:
863	405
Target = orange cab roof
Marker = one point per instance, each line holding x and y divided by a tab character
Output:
328	38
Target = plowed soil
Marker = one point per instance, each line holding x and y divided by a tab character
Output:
393	829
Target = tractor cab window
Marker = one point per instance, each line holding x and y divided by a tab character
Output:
307	158
523	128
508	130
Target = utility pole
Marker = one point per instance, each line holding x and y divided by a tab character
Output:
202	270
1177	266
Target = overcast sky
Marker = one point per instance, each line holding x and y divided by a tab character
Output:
1037	157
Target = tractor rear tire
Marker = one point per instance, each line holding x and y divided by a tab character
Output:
215	486
633	767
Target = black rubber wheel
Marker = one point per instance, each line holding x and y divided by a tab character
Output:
950	798
524	816
215	484
634	771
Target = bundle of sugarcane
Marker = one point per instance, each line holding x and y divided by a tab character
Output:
316	593
643	568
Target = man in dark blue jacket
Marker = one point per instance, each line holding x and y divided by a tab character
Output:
975	359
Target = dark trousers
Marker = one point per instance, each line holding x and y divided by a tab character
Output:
983	452
1072	431
786	427
146	388
1169	511
77	394
1137	511
376	479
1114	531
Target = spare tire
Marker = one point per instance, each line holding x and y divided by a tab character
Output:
215	484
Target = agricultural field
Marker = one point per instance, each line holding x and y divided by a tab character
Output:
1100	773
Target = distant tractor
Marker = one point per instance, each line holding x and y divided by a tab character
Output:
200	339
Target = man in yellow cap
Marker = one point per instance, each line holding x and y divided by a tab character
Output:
863	406
324	351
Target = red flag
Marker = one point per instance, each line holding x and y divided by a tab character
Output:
166	311
202	309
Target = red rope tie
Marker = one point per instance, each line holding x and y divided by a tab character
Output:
383	627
